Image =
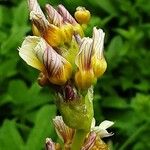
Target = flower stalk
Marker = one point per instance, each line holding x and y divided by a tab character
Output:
78	139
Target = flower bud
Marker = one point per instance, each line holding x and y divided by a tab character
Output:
98	61
82	15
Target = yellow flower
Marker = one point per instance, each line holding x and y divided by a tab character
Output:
38	54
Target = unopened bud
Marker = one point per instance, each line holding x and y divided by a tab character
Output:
82	15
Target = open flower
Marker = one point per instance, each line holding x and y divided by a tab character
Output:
38	54
59	45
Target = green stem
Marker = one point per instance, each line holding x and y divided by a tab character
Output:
78	140
134	136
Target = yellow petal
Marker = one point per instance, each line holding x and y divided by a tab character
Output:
99	66
35	31
27	53
67	33
53	36
84	79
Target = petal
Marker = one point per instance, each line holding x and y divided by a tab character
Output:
39	21
101	132
93	123
83	59
49	144
98	42
53	16
34	6
106	124
27	53
89	141
66	15
64	132
53	35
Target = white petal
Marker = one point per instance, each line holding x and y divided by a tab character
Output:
83	58
93	123
50	145
104	133
39	21
66	15
53	16
27	53
106	124
34	6
98	42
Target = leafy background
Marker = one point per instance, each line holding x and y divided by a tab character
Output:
121	95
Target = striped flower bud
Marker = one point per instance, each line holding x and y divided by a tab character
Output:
98	61
85	76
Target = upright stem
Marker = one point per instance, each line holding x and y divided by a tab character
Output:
78	140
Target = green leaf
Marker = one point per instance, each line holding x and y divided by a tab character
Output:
10	137
42	129
18	91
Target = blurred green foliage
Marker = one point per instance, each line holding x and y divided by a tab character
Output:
121	95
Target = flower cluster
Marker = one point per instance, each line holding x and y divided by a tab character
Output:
93	139
71	64
59	49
